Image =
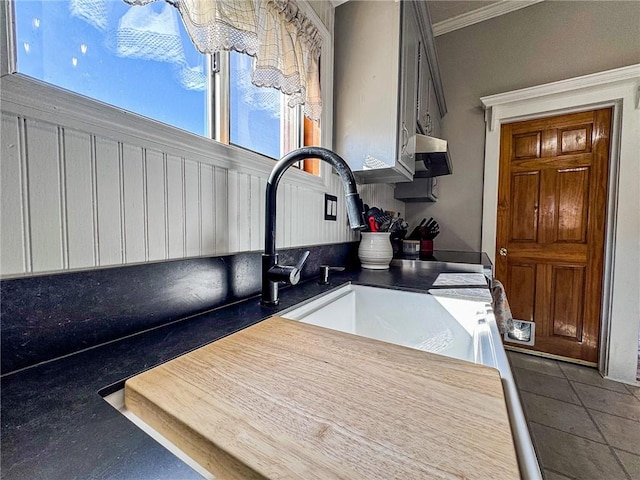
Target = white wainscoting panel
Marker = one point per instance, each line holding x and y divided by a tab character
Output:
175	206
156	206
244	212
76	198
45	196
207	210
133	204
109	202
192	202
257	219
233	223
13	230
221	195
80	215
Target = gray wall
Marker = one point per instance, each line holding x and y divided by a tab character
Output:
543	43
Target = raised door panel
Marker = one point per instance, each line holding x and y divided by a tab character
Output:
572	187
575	139
566	314
527	145
521	290
525	192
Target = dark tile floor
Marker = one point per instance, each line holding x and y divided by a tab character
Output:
584	427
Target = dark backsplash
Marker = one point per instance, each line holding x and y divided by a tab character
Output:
46	317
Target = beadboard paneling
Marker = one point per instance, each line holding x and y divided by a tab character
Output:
233	223
13	239
257	206
207	210
244	213
44	196
192	209
156	204
133	204
76	199
109	198
175	206
221	205
81	246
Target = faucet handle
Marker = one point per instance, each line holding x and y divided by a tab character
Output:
294	278
287	273
303	259
324	273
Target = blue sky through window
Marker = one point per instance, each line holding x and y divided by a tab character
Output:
254	112
137	58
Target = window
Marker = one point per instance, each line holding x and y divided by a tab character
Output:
257	120
141	59
136	58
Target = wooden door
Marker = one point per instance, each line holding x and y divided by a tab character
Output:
552	197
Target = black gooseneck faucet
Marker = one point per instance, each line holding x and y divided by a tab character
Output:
272	273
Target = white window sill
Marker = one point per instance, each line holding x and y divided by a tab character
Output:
26	97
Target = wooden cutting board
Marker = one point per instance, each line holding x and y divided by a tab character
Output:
284	400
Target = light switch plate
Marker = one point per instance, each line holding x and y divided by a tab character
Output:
330	207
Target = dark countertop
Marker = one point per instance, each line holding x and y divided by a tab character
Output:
452	256
55	424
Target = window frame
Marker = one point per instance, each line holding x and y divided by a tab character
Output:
24	95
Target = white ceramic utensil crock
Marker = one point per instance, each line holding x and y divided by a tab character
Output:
375	251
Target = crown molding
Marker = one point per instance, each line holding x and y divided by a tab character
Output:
585	83
480	15
608	77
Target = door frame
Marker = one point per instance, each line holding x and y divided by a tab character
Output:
620	89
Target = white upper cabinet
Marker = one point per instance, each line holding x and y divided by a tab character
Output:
425	87
386	87
429	114
409	66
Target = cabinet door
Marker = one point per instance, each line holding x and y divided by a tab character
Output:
434	113
367	89
424	88
409	91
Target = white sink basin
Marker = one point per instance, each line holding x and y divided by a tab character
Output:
455	327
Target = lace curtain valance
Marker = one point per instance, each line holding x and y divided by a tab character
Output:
283	42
